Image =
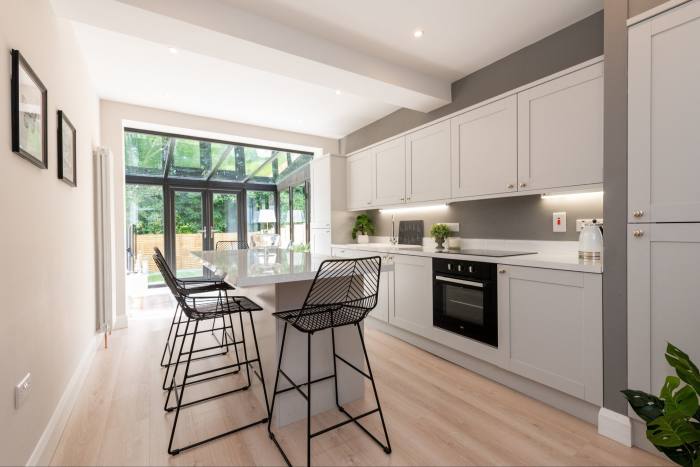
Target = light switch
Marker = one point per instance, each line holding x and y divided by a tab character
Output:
559	222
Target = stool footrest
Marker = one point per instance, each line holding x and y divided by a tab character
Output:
344	422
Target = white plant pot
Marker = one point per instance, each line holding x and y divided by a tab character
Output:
363	239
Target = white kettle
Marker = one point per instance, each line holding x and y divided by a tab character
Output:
590	242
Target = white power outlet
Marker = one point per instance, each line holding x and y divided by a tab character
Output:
559	221
581	222
22	390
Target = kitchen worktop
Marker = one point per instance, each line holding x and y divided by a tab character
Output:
253	267
549	255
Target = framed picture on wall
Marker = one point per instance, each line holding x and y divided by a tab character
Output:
67	170
28	106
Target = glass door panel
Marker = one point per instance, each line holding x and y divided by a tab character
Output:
285	227
190	234
299	214
224	222
144	223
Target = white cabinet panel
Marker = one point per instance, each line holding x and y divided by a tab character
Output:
554	328
485	150
428	163
321	193
321	241
663	298
560	132
360	180
389	171
413	294
664	117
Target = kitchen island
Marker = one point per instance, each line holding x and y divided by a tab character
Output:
279	279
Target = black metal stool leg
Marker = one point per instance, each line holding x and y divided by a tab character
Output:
274	397
172	351
335	368
167	342
182	390
245	348
173	382
308	399
257	353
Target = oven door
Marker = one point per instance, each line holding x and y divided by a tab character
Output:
467	307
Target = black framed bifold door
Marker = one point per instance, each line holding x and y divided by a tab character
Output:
196	220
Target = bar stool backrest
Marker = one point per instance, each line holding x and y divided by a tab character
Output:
232	245
168	276
341	283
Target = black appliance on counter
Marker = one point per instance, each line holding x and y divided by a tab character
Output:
465	299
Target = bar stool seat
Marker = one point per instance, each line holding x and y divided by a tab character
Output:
320	317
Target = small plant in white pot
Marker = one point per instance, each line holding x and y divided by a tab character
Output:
362	229
440	232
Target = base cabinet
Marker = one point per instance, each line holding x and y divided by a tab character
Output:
554	328
321	241
413	294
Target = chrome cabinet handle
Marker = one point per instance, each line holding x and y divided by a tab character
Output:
402	199
408	198
638	213
502	271
523	184
510	186
638	233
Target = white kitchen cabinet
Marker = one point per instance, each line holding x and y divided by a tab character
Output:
664	112
554	328
428	164
663	299
485	150
320	178
560	132
413	294
321	241
360	179
389	172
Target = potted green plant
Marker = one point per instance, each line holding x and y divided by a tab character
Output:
673	418
363	228
440	232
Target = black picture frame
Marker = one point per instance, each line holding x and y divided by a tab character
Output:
66	128
20	65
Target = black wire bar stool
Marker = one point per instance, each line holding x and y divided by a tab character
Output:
343	292
198	309
231	245
198	286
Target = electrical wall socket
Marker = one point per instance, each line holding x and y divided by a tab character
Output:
559	221
22	390
581	222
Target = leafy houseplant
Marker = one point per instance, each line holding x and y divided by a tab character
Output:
673	419
439	232
362	229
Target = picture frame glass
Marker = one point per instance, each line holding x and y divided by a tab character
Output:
68	151
31	115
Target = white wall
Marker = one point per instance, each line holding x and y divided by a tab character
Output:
47	273
115	116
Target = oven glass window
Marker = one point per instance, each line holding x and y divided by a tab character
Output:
462	303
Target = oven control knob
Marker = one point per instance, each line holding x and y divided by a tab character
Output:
449	267
461	327
459	268
471	268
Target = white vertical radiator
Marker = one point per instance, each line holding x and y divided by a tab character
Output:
105	240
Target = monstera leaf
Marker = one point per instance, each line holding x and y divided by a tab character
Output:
685	368
645	405
668	432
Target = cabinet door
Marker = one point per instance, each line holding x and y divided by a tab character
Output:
560	132
320	170
413	294
428	163
485	150
664	117
663	299
385	300
389	172
321	241
360	180
555	328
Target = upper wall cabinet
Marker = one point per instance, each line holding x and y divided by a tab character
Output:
664	117
389	171
360	180
560	132
485	150
428	163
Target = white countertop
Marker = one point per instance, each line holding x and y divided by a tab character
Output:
552	259
250	268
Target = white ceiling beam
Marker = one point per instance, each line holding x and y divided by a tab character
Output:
214	28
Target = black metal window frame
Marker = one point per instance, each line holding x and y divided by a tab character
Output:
307	209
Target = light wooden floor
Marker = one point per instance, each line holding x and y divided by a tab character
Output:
437	414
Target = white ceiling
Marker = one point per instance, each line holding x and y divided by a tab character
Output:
278	63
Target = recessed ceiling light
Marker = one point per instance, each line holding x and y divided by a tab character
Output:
172	50
418	33
337	91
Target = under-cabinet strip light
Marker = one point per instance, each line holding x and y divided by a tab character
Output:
435	207
574	196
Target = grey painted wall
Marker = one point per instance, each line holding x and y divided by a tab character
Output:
522	217
572	45
615	210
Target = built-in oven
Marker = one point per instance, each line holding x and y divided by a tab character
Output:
465	299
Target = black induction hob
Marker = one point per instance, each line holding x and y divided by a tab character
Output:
493	253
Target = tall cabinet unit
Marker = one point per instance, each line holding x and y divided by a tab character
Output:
664	195
329	219
360	180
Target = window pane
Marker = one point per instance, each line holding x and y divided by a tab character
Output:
189	227
285	230
145	154
242	163
195	159
261	212
284	164
225	211
144	221
299	214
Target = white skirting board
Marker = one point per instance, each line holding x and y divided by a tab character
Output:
121	322
615	426
44	449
